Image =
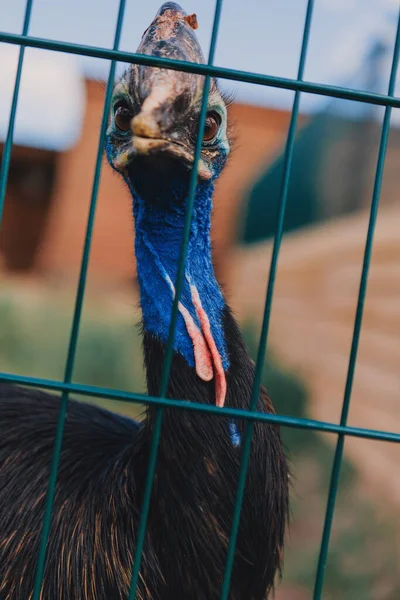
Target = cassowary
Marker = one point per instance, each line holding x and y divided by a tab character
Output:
150	143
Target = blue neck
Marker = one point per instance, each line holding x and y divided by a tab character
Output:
158	235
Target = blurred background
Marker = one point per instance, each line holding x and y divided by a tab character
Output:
335	154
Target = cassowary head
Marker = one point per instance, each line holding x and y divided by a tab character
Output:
155	112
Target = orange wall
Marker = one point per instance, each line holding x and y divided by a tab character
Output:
26	207
112	240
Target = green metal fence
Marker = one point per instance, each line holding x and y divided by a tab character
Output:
67	386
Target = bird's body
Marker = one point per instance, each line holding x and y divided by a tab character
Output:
93	505
101	476
104	457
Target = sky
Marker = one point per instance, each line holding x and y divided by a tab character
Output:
257	35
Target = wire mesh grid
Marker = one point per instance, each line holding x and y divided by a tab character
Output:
67	386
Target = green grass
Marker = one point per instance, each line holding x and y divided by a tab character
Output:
34	336
363	557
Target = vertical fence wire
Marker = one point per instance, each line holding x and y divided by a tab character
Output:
5	162
334	482
76	318
267	310
174	315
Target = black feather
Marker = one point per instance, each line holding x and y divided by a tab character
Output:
98	494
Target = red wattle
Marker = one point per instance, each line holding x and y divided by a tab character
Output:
202	356
220	379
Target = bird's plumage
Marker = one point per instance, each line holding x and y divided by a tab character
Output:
104	457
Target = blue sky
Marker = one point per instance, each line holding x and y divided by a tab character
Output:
257	35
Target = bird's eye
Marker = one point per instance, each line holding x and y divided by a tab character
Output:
123	116
211	126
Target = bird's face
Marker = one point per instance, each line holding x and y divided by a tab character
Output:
155	112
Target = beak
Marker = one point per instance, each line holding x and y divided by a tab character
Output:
164	95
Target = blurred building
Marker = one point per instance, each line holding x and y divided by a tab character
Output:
333	163
49	192
48	123
53	162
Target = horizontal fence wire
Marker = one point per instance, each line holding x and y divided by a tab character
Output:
250	416
247	415
319	89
